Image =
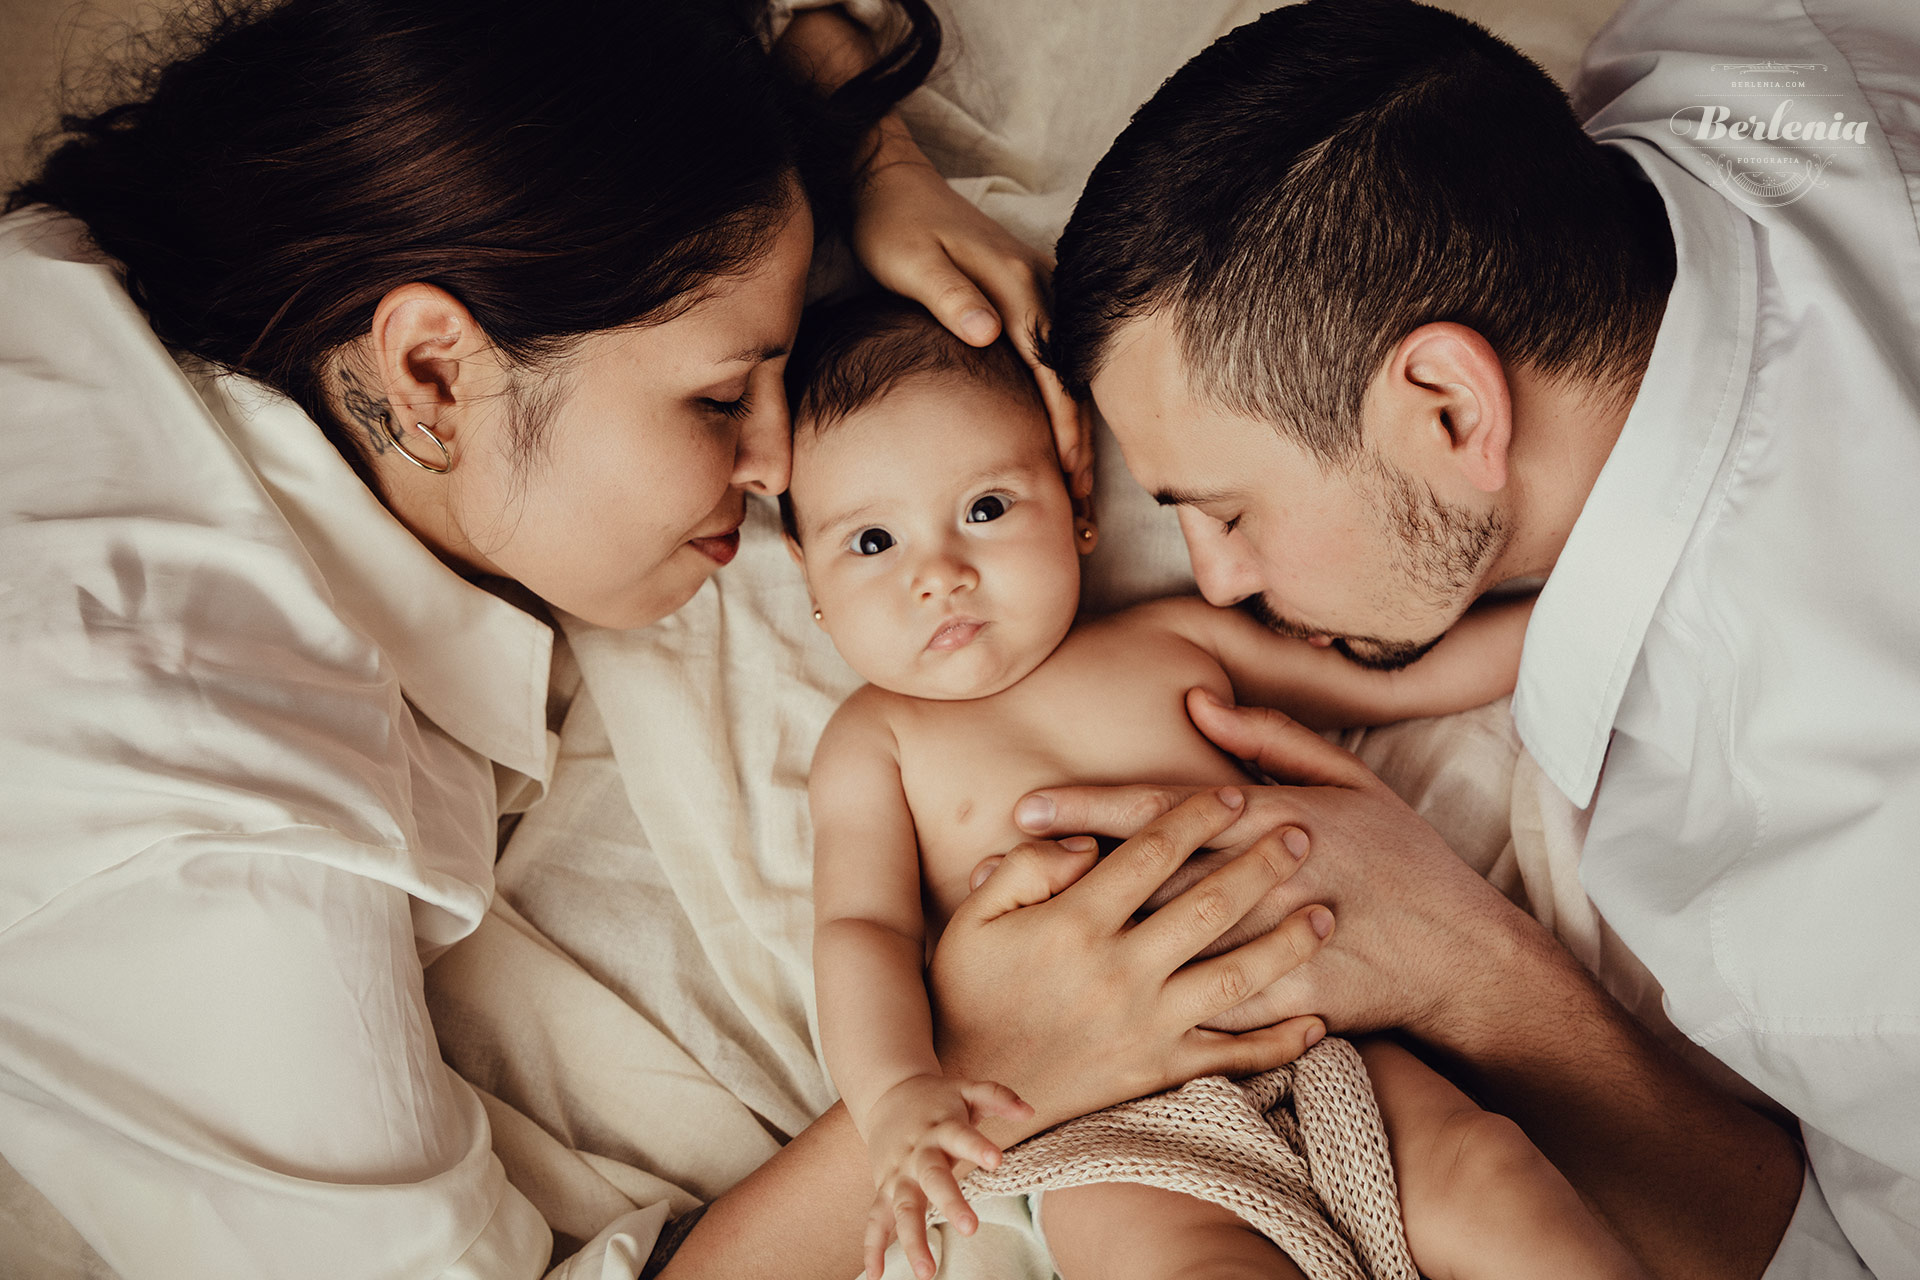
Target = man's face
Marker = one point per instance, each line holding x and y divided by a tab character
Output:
1361	554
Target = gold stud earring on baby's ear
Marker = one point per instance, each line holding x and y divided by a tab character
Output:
818	616
1086	535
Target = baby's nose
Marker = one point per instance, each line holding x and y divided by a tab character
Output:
942	574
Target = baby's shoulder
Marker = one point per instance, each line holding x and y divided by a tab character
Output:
1178	622
864	724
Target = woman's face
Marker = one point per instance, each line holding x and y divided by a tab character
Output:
634	494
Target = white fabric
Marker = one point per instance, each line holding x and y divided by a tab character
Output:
1734	626
249	730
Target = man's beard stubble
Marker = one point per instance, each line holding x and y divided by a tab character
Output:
1443	550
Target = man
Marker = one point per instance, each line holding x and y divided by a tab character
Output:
1361	299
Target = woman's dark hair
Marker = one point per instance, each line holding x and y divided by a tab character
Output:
1324	180
560	169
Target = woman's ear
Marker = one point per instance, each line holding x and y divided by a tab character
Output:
1443	402
430	357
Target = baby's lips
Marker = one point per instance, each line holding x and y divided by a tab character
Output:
955	633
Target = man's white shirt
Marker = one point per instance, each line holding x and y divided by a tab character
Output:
1725	662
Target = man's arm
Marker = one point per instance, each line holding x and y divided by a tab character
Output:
1474	663
1694	1182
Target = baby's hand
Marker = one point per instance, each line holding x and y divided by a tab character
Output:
915	1133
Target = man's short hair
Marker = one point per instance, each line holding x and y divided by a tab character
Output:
1322	181
852	352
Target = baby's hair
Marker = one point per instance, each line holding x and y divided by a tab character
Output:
851	352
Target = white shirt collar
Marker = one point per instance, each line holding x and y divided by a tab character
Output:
1592	616
472	663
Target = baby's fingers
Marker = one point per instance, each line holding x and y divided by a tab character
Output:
958	1140
937	1180
990	1099
879	1231
909	1209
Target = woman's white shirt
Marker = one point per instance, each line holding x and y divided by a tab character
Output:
254	740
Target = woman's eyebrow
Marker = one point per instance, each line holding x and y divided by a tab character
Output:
757	354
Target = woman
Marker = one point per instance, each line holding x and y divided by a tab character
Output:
434	309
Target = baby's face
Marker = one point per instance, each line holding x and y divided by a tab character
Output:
938	538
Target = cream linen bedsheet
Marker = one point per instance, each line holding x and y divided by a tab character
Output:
639	1009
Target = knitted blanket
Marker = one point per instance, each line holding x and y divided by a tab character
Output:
1298	1152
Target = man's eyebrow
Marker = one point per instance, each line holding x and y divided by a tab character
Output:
1188	497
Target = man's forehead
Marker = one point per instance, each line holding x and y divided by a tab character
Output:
1144	370
1176	442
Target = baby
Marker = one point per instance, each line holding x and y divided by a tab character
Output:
942	552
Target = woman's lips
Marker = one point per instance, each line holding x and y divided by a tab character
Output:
720	549
955	633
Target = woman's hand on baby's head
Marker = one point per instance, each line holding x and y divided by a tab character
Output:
919	238
921	1139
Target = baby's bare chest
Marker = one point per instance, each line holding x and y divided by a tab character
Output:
1103	709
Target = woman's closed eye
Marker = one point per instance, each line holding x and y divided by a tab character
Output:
870	542
737	408
988	506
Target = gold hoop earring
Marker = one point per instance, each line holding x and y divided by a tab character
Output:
446	458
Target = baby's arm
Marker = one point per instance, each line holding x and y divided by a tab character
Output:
1474	663
876	1027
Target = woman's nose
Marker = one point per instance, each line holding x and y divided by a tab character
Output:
763	456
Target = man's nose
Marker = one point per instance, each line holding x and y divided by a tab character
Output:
763	456
1225	572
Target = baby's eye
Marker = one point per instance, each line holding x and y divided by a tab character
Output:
871	542
990	507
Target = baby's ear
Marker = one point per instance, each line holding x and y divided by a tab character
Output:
793	549
1086	533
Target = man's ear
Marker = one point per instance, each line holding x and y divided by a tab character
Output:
430	355
1442	400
